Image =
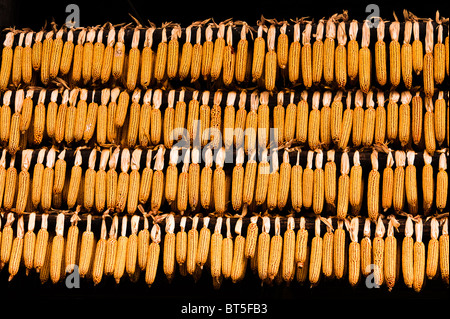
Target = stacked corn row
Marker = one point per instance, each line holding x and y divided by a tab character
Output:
254	120
188	182
276	250
334	52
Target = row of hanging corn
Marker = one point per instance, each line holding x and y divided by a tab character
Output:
313	120
252	185
335	52
295	255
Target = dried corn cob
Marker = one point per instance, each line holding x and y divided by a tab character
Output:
26	112
227	252
315	261
146	180
100	254
411	184
428	61
417	49
339	250
272	185
47	46
336	117
263	249
111	247
238	181
157	195
308	182
356	185
7	240
206	189
354	253
407	56
134	59
306	56
259	52
121	252
369	121
123	181
77	66
242	53
404	121
329	50
29	243
16	73
47	180
36	50
173	52
119	55
251	124
16	250
270	63
318	184
86	249
215	131
318	54
229	58
358	119
276	249
439	118
153	255
392	116
220	196
314	123
399	181
353	51
240	121
192	246
27	54
387	183
394	54
442	183
408	253
343	187
390	254
432	261
262	179
14	134
341	56
439	56
295	49
365	60
419	258
97	56
182	196
327	250
5	117
57	250
239	261
108	55
366	250
325	120
71	117
380	120
330	181
346	125
10	185
429	127
88	53
229	119
207	53
284	183
147	59
75	178
378	252
218	52
71	249
169	121
427	183
416	118
443	252
60	118
204	241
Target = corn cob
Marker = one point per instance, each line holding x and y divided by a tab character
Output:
229	58
284	182
220	198
229	119
86	249
29	244
16	74
399	181
182	196
69	125
71	249
60	118
356	185
369	121
169	121
75	178
306	56
38	171
121	252
301	244
97	56
242	53
181	243
318	54
240	122
346	125
218	52
147	59
336	117
158	181
443	252
47	180
26	112
77	66
122	108
47	46
239	261
308	182
447	54
294	54
275	253
380	120
319	185
5	117
80	116
45	273
192	122
407	56
16	250
118	60
392	116
315	260
411	184
108	56
428	61
111	247
23	182
227	252
173	52
238	181
325	120
143	241
153	255
259	52
7	240
339	250
358	119
26	65
366	250
354	253
262	179
216	121
192	246
134	119
263	249
169	248
57	250
417	49
134	58
204	241
123	181
408	253
365	60
343	187
288	256
329	49
206	190
14	134
439	118
36	53
390	254
442	183
330	181
353	51
387	183
404	122
204	118
88	53
172	176
314	123
100	254
207	53
327	250
10	185
427	183
251	124
432	261
429	127
416	118
378	252
39	119
146	180
216	250
439	56
195	63
394	55
419	258
270	63
273	182
144	119
186	55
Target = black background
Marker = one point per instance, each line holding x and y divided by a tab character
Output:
170	297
